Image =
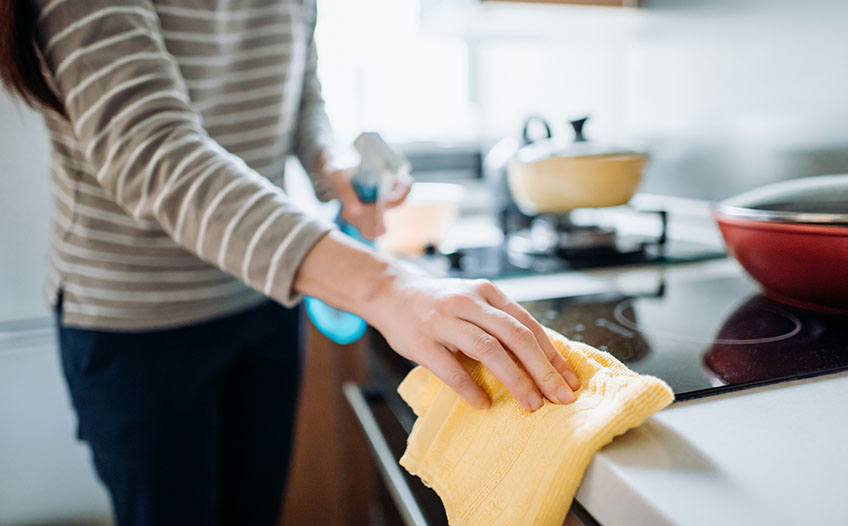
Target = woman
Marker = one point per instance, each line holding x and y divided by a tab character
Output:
170	123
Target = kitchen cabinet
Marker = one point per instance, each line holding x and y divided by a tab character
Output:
331	481
495	22
46	476
607	3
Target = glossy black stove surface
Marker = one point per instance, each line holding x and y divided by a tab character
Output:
500	262
703	335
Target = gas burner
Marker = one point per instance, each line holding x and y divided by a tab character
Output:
553	238
558	235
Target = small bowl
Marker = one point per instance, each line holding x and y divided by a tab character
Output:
423	219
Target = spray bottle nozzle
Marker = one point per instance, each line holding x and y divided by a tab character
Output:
379	168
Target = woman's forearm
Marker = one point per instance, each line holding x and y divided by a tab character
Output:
346	274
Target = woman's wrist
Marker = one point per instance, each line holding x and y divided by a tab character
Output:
382	294
350	276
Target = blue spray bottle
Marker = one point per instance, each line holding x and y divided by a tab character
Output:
378	170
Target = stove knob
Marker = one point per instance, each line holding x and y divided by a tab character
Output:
455	259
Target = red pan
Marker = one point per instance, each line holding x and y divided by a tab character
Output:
792	238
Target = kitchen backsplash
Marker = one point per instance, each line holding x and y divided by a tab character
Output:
728	94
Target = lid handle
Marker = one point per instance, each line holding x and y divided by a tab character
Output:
528	123
578	124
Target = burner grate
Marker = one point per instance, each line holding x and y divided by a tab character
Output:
558	237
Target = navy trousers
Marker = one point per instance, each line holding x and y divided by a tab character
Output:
190	425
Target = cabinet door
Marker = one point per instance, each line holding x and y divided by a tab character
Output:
46	475
608	3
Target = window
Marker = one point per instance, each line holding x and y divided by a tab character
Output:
379	73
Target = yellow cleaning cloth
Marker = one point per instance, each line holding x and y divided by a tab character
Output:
507	466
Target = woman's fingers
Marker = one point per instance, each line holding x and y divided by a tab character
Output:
485	348
379	225
342	187
443	364
521	341
399	191
499	300
367	218
370	221
526	346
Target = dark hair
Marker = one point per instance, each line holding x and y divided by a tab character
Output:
20	67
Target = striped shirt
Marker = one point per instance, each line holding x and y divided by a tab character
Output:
167	170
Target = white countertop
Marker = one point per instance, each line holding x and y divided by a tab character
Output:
773	455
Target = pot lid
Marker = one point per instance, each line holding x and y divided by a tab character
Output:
552	147
820	200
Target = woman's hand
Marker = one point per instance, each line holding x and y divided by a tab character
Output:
367	218
430	320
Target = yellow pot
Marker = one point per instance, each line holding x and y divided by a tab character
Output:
558	184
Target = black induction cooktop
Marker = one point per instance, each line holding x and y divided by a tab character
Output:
704	332
703	335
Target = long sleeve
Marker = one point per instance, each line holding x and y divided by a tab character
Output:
314	133
131	114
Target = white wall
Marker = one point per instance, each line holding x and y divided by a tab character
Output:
671	66
700	64
25	211
378	73
756	87
728	94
